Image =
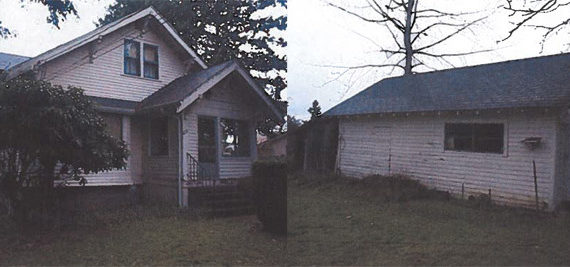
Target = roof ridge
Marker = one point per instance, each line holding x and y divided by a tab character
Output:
476	66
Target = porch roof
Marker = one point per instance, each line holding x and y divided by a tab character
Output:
185	90
114	105
177	90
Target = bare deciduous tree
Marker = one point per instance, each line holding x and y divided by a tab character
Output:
409	26
525	13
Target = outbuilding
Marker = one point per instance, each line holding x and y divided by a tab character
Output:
474	130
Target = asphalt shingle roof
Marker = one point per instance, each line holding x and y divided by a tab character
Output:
534	82
10	60
182	87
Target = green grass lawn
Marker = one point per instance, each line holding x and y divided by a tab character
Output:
344	223
334	222
165	239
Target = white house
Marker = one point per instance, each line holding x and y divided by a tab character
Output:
183	121
473	130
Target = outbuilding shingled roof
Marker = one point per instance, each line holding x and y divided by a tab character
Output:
10	60
534	82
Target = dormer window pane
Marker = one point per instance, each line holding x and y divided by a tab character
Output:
150	61
132	57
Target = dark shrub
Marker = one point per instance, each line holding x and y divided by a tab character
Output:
270	194
395	188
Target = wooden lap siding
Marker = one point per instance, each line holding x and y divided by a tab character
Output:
415	148
132	174
162	169
224	102
105	76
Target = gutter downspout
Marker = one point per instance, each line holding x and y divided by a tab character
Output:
180	161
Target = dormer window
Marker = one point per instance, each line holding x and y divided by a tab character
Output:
132	58
150	61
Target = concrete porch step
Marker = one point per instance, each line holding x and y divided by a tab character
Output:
222	200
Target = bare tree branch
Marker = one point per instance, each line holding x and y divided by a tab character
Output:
451	34
358	66
529	13
401	19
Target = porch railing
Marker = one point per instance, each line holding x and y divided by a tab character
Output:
197	172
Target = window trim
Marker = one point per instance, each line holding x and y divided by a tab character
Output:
144	61
505	124
125	58
122	137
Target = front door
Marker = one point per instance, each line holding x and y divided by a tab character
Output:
207	146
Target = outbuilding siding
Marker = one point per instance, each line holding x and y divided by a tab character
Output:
413	145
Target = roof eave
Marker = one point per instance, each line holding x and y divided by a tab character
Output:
98	33
276	114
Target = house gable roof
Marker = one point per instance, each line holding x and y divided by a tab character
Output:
98	33
185	90
533	82
10	60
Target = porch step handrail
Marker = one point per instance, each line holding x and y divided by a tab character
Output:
196	171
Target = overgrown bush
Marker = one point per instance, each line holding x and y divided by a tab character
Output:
394	188
270	194
399	188
49	133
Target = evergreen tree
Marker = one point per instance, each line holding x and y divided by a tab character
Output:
315	110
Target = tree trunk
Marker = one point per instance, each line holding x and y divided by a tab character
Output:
408	38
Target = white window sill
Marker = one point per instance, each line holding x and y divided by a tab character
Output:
140	77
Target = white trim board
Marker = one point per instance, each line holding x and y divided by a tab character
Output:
203	88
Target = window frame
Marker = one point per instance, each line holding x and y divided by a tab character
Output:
503	153
145	62
122	130
247	130
151	151
125	58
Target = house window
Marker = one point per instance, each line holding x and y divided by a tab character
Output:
114	124
132	56
150	61
235	138
159	136
475	137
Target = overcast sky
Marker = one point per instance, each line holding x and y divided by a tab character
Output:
317	35
322	35
34	35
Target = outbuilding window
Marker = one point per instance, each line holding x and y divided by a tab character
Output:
235	138
159	136
475	137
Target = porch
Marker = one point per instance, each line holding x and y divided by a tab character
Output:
201	133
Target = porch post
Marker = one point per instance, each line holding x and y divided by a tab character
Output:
253	140
182	197
219	137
